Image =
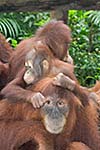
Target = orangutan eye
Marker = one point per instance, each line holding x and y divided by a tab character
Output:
60	104
28	65
48	102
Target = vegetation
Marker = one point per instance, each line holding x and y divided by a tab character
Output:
85	47
18	26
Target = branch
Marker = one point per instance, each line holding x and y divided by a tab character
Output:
46	5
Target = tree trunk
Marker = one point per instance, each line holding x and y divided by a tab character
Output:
60	14
46	5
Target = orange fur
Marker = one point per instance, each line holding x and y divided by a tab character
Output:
5	53
5	49
22	120
96	87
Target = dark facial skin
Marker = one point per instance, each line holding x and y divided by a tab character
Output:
55	111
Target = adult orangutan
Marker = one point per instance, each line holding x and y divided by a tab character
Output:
68	123
42	49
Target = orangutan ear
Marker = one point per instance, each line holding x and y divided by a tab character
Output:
45	65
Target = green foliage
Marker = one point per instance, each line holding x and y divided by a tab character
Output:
9	27
18	26
37	19
85	48
13	42
87	65
30	21
94	16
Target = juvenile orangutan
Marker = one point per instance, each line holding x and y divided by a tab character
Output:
50	42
